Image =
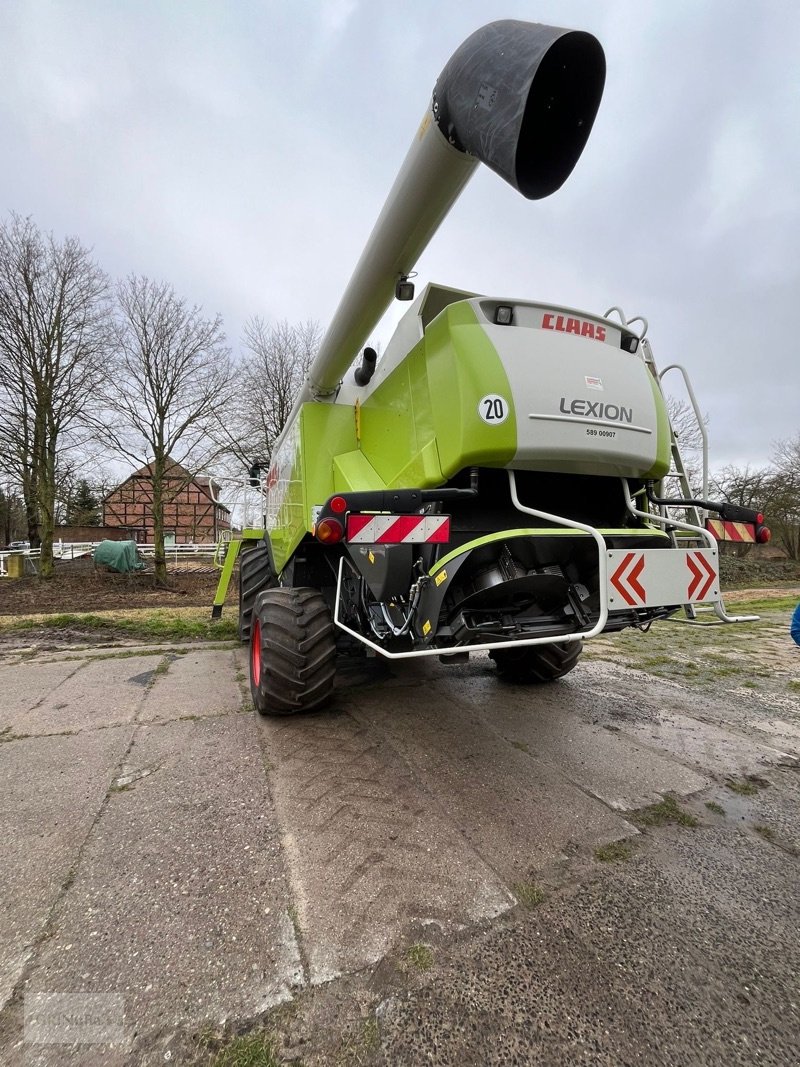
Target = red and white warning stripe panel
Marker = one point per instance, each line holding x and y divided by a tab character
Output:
652	577
731	531
398	529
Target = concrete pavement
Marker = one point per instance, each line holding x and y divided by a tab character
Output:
164	848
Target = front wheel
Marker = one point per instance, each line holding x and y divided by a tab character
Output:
537	663
292	651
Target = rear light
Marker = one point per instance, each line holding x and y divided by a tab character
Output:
759	519
338	504
763	534
329	531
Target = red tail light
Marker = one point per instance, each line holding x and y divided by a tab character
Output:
338	504
763	534
329	531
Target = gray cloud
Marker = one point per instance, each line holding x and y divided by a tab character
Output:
243	152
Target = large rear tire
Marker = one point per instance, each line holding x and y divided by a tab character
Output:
537	663
255	575
292	651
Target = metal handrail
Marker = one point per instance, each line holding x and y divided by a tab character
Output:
697	414
698	531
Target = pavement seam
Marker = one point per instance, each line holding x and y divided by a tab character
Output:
291	910
56	687
48	925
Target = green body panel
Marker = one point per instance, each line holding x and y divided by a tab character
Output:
305	473
352	471
463	366
420	427
397	425
663	443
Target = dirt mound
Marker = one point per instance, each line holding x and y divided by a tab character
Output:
754	571
79	588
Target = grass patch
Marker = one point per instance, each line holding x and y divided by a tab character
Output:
294	919
793	685
162	668
714	807
419	956
744	787
765	831
520	745
657	661
766	605
613	852
246	1050
360	1047
159	623
528	894
664	813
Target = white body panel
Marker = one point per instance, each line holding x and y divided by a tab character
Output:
652	577
583	404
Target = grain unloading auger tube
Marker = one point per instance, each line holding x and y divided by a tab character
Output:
518	96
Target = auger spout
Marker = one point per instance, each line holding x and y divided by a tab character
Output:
519	97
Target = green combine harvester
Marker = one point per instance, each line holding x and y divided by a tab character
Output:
496	481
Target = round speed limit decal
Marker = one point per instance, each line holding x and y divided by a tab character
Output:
493	409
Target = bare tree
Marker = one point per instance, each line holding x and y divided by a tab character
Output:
169	386
53	336
12	515
275	362
690	439
749	487
784	497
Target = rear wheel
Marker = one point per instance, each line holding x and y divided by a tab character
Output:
292	651
255	575
537	663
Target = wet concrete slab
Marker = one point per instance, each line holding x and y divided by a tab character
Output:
196	683
97	694
51	790
611	766
707	731
370	851
518	811
236	859
179	905
635	966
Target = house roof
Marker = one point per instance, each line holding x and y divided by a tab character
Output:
177	470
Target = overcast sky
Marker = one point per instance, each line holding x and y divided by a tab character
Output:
242	151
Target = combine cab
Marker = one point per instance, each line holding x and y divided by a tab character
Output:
496	482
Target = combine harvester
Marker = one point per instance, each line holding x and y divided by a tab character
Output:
495	482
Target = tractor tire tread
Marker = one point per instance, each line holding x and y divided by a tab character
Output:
537	663
255	575
298	651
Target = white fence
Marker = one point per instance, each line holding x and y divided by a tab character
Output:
69	550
